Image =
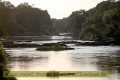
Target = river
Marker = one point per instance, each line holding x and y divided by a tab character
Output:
82	58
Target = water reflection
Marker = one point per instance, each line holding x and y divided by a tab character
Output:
24	62
97	58
83	58
26	59
39	38
110	63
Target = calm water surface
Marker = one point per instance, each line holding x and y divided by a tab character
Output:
82	58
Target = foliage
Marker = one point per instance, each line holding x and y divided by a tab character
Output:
3	62
59	24
24	20
3	55
2	30
89	31
102	20
75	21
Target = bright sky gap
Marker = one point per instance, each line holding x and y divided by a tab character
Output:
59	8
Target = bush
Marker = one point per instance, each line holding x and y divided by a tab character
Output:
3	62
43	48
3	56
55	47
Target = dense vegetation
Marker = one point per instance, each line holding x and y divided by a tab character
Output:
100	22
24	20
59	24
3	62
55	47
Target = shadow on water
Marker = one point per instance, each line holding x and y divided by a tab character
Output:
101	61
110	63
84	60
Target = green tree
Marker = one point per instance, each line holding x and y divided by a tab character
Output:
75	21
2	31
33	21
102	20
59	24
24	20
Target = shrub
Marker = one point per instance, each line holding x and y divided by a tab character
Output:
55	47
43	48
3	55
3	62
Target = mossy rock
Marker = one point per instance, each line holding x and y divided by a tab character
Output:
43	48
55	47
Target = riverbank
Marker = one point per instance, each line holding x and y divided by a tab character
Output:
30	42
3	64
93	58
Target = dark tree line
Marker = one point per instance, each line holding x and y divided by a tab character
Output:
59	24
101	22
24	20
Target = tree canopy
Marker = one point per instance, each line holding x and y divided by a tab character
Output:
24	20
59	24
102	20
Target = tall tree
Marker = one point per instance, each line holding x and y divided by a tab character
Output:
102	20
24	20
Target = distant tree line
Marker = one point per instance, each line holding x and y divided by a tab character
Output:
100	22
24	20
59	24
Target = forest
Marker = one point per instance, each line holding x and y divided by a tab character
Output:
100	22
24	20
59	24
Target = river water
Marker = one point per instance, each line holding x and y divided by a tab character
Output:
82	58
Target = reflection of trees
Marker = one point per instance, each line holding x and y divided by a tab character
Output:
78	61
109	63
81	61
103	61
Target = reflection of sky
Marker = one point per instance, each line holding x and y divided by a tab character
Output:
81	59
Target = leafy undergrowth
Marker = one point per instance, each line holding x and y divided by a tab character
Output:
3	62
